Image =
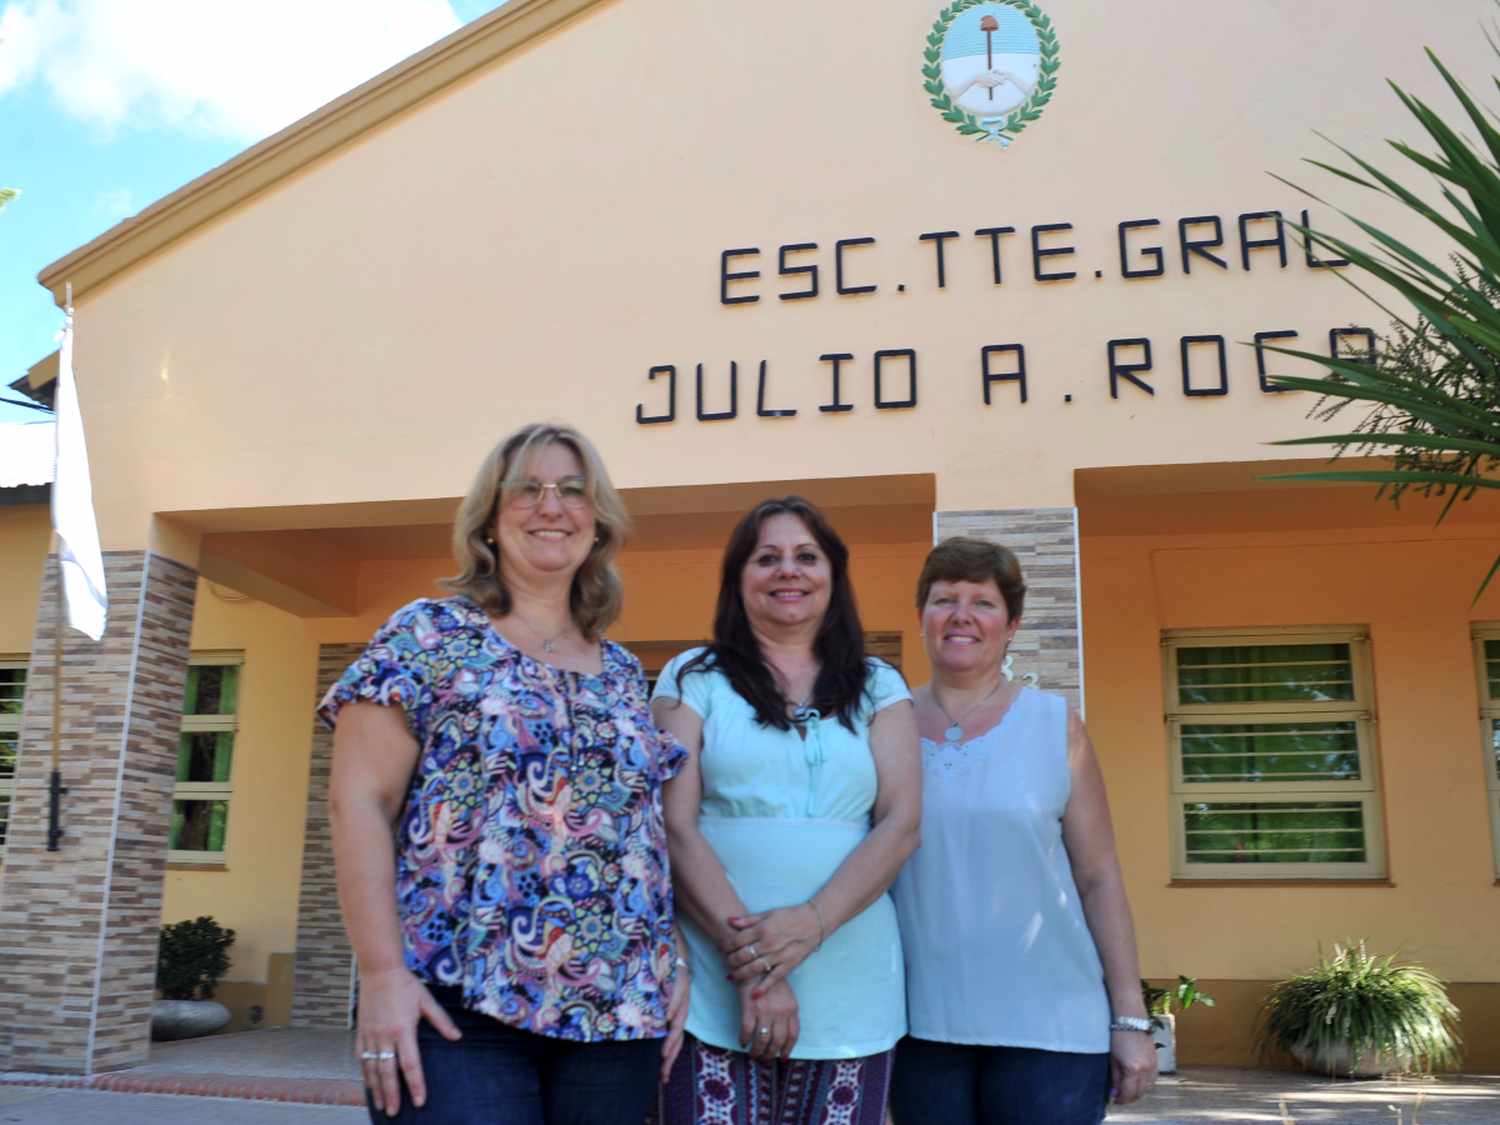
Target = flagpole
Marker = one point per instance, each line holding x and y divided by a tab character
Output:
56	789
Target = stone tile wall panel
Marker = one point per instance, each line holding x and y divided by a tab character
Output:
79	926
1045	540
322	987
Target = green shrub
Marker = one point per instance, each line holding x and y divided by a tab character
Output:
192	958
1399	1014
1162	1001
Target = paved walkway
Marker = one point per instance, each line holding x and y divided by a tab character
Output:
1202	1095
287	1076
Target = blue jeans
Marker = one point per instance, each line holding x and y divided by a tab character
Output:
498	1075
958	1084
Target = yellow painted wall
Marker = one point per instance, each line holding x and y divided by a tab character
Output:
25	536
549	247
1412	588
255	894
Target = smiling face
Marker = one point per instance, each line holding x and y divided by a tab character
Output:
965	626
788	579
552	538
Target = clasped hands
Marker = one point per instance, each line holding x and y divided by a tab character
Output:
759	951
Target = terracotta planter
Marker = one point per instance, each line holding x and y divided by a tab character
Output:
1338	1061
186	1019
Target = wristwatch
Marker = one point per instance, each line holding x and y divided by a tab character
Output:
1129	1023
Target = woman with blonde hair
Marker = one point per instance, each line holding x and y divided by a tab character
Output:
496	801
1022	987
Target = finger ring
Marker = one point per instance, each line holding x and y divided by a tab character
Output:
386	1056
764	962
764	1031
753	954
368	1055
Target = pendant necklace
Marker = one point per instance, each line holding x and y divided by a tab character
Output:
548	643
955	733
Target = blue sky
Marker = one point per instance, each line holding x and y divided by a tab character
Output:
108	105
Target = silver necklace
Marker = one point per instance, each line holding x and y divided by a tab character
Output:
548	643
955	733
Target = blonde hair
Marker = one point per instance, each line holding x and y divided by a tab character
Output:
597	590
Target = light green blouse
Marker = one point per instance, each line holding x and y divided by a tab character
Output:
782	812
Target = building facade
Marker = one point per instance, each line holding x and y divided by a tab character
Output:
752	250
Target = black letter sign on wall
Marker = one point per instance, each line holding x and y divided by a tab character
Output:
1153	251
838	266
1314	263
787	271
1336	338
1037	253
734	397
1260	358
725	277
760	400
1200	246
896	403
1248	244
1187	370
995	233
1017	376
836	406
671	414
937	238
1118	370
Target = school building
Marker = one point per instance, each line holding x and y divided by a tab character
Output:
938	276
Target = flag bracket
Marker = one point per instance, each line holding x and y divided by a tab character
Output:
54	830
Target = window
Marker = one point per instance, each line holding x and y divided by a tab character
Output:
205	758
1487	652
1273	755
12	694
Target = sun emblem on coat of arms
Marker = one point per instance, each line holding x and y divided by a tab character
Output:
990	67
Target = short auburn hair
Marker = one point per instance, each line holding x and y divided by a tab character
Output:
965	559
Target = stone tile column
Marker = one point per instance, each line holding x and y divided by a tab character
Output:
79	926
1045	540
323	980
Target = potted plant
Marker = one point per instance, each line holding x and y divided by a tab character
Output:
190	961
1160	1003
1360	1016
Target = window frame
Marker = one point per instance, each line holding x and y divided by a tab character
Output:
11	724
210	790
1360	710
1489	712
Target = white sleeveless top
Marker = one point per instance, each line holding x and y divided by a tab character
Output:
997	949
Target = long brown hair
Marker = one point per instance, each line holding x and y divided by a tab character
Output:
839	645
597	591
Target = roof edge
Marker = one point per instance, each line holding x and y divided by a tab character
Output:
340	122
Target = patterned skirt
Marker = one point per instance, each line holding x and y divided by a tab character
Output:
712	1086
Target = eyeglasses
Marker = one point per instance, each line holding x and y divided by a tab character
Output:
572	492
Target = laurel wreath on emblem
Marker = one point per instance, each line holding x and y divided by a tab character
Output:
1028	111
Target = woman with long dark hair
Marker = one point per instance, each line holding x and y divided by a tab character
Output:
799	802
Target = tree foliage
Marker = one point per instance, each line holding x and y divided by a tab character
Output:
192	958
1433	390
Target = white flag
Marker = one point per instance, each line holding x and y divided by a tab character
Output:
73	505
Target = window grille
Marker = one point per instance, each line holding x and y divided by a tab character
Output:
1274	772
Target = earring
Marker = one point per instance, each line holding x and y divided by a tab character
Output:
1006	667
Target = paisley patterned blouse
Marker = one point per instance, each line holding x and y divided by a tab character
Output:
531	858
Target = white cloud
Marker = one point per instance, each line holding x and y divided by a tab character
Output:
210	67
116	204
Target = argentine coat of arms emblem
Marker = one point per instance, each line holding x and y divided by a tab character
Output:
990	67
